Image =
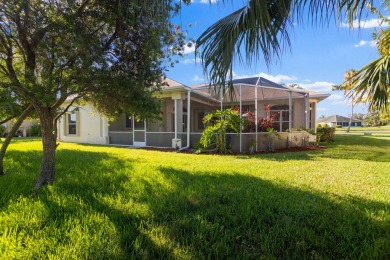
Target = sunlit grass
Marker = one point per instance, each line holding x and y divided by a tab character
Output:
375	129
120	203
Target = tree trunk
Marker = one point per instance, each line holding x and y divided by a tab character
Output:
49	135
11	134
350	119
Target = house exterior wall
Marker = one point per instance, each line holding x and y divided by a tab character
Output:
313	119
90	127
298	113
23	127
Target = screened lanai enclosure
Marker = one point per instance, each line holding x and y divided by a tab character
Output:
183	109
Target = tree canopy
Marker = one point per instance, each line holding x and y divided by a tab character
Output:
109	52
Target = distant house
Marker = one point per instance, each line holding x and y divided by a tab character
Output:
23	130
337	120
183	109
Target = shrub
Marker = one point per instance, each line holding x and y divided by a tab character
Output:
218	124
34	130
263	123
325	134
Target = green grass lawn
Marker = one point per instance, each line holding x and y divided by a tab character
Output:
119	203
373	129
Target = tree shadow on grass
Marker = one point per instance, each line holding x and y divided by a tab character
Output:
172	213
223	216
375	150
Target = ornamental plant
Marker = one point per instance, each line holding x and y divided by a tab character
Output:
263	123
218	124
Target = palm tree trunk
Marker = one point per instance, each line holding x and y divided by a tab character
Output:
11	134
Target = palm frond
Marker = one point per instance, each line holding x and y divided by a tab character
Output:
371	84
261	30
258	29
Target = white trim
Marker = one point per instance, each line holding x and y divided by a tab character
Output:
175	117
135	143
119	132
188	118
256	113
163	132
139	144
240	117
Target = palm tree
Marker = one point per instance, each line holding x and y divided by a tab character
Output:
371	83
261	28
349	77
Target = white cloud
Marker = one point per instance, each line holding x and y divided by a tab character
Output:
364	43
277	78
317	86
365	24
322	109
188	61
307	80
197	78
337	97
188	50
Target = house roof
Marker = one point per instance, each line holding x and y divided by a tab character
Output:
172	84
267	90
335	119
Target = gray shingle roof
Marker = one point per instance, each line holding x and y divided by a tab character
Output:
336	119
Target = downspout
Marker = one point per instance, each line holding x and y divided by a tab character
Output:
175	111
256	112
290	116
240	118
256	118
188	121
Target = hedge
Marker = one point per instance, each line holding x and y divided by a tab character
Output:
326	134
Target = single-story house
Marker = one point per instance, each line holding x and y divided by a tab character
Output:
23	130
183	108
336	120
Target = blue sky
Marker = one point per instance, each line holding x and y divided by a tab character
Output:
318	58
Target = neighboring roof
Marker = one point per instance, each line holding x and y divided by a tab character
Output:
335	119
170	83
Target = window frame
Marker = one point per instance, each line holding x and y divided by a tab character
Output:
76	124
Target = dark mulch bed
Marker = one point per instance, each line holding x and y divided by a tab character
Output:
293	149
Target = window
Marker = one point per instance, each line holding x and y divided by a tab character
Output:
71	123
280	114
129	121
199	121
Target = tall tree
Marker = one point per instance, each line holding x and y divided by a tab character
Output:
108	52
371	84
261	28
10	108
347	86
11	134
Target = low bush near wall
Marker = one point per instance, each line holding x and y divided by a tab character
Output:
325	134
34	130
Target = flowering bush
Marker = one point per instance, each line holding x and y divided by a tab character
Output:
263	123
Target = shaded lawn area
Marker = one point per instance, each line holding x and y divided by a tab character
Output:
119	203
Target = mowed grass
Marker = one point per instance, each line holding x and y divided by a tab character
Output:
374	130
119	203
